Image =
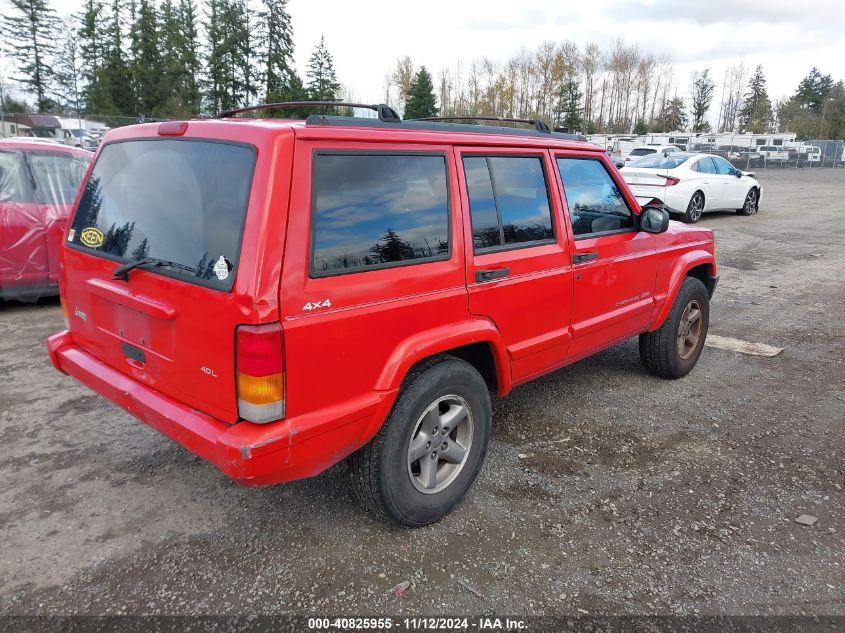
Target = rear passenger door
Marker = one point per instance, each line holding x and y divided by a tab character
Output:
373	259
614	263
518	271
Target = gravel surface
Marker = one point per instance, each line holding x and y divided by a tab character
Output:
605	490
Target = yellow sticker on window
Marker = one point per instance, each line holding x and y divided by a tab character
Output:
92	237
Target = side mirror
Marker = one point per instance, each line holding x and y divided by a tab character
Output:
654	217
738	173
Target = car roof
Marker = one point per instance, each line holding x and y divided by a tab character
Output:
363	129
38	144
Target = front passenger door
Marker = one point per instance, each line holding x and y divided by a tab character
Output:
733	194
615	264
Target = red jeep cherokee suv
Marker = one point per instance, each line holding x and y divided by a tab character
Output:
278	295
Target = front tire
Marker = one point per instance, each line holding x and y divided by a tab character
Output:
695	208
431	447
751	203
673	349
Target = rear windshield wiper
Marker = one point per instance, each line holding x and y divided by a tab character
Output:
122	272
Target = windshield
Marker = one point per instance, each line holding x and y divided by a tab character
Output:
658	161
179	200
57	176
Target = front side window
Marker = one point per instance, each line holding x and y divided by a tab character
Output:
595	203
508	200
378	210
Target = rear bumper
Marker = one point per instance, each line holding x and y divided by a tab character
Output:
251	454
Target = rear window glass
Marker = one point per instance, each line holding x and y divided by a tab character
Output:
642	151
377	211
57	176
179	200
658	161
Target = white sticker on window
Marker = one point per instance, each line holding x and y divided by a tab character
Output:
221	268
71	234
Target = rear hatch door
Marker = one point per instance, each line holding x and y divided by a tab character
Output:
170	323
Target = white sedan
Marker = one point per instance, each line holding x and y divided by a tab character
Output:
690	184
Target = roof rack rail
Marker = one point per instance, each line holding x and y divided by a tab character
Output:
385	112
538	124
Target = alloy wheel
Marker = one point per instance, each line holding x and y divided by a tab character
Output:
440	444
689	329
751	202
696	207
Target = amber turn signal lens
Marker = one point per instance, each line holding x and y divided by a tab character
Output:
261	389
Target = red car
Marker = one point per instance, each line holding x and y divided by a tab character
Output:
38	183
279	295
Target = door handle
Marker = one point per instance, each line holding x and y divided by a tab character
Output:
579	258
495	273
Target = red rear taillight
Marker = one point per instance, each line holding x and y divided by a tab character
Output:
671	180
261	372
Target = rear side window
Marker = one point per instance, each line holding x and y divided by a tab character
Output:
508	200
57	176
595	203
178	200
378	211
705	166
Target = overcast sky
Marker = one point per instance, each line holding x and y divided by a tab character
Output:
787	36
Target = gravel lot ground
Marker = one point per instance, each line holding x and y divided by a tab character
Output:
605	490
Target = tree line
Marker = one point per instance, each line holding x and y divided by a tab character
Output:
180	58
622	90
170	59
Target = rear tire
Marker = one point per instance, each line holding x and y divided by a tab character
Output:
751	203
443	414
673	349
695	208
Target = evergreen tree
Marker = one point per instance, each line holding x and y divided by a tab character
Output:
97	91
322	81
215	58
420	101
702	96
570	112
28	36
171	64
673	117
189	56
68	68
276	41
813	90
640	127
228	60
756	113
146	68
115	65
